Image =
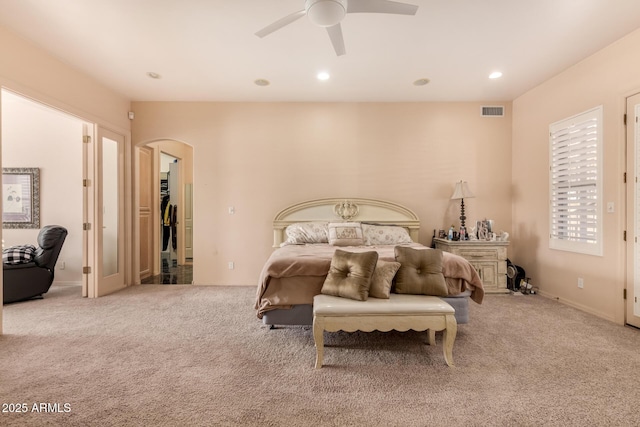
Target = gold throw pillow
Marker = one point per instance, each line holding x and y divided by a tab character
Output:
420	272
383	279
350	274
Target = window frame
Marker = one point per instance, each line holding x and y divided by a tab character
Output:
586	144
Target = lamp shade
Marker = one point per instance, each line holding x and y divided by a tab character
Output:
462	191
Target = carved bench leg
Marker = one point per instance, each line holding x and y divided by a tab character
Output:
431	337
318	338
449	336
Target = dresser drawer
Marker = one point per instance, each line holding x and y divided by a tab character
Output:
479	254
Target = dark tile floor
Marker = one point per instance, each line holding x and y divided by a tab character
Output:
172	274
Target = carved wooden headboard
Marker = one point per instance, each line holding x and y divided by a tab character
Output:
341	209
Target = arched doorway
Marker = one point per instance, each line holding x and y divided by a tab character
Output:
164	212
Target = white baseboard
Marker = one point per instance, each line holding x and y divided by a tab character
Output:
57	283
576	305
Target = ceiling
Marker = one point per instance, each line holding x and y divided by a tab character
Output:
206	50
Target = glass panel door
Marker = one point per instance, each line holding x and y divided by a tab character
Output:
110	207
110	212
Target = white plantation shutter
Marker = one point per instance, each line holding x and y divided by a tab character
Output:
575	146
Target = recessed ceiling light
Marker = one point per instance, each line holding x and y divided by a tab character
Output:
323	75
495	75
421	82
154	75
262	82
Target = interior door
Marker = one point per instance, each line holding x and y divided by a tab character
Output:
109	218
633	211
88	196
145	211
188	222
177	230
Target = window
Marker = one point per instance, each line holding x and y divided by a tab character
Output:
575	156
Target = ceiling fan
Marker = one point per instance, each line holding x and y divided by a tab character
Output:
329	13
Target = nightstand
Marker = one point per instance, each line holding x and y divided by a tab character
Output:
488	258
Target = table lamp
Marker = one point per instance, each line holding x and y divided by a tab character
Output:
462	192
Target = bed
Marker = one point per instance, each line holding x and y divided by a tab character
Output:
296	270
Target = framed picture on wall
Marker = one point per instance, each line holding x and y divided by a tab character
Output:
20	198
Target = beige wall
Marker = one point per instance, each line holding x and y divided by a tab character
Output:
27	69
262	157
605	78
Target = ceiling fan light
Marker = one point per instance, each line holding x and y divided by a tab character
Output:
326	13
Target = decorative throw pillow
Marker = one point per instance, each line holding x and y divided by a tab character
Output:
385	235
345	234
19	254
307	232
420	272
350	274
383	278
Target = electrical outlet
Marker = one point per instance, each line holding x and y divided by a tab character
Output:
231	265
61	265
580	282
232	210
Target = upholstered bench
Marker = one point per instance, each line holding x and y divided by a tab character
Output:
400	312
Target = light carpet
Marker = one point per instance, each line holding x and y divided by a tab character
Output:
158	355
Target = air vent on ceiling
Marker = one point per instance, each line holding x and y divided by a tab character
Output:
492	111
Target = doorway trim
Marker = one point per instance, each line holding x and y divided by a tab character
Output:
154	144
632	150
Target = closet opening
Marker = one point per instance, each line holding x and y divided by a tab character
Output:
165	175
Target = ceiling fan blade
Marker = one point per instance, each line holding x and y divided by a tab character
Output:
281	23
381	6
335	34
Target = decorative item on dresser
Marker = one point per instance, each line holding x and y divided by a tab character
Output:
489	258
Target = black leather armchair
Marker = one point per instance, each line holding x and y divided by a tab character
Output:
32	279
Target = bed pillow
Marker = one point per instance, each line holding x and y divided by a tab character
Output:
19	254
420	272
301	233
385	234
345	234
350	274
383	279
